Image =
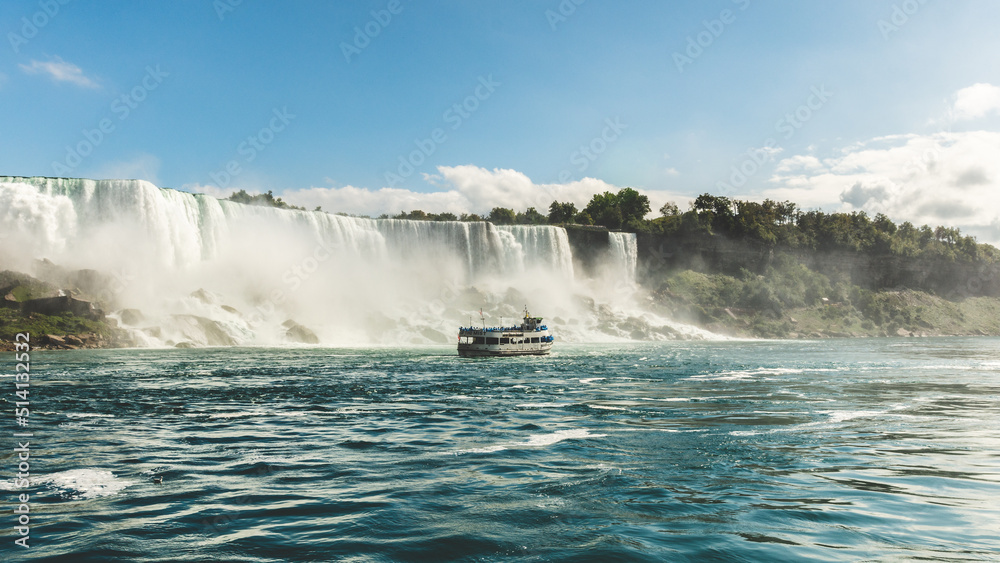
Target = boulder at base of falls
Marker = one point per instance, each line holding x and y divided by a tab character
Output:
434	336
132	317
54	340
299	333
205	297
200	329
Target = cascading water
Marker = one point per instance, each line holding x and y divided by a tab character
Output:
625	253
262	270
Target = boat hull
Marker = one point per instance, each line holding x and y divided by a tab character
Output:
486	350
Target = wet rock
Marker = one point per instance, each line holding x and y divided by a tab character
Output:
667	331
74	340
203	296
210	332
54	340
62	305
90	282
473	298
514	296
435	336
299	333
132	316
185	344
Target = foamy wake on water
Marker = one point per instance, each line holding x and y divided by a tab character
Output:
180	268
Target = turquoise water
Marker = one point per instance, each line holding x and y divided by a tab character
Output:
883	450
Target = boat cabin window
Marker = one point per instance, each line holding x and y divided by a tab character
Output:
492	340
479	340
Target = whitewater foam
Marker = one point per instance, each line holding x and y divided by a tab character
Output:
539	440
85	483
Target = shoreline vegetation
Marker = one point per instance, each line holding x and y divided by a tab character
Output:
740	268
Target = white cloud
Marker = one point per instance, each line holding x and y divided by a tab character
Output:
976	101
142	167
60	71
798	162
944	178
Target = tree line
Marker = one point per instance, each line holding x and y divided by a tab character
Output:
783	224
622	210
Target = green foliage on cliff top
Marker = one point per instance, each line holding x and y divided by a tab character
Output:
265	199
783	225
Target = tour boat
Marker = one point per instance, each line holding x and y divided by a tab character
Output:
530	338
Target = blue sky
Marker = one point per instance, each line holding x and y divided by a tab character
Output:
907	122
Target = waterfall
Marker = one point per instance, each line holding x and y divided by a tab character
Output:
624	252
184	229
192	263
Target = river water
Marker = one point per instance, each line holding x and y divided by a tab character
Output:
881	450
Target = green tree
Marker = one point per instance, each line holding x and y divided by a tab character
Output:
670	209
415	215
561	212
604	210
502	216
530	217
632	205
265	199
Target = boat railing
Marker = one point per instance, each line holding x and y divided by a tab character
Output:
473	329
